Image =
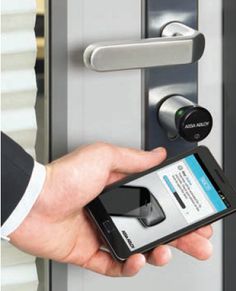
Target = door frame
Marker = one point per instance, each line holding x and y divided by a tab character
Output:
57	88
229	137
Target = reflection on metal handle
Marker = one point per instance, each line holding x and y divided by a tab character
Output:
178	44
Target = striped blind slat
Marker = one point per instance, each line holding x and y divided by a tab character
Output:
18	119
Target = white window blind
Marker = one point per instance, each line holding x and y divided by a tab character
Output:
18	81
18	119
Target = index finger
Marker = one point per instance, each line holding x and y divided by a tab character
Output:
127	160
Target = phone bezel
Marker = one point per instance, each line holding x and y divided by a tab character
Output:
114	239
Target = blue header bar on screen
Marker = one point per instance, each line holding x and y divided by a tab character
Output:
205	183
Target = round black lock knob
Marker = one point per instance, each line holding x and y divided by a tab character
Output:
181	117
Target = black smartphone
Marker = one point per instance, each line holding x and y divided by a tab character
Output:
184	193
131	201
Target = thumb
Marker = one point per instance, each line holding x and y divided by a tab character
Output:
126	160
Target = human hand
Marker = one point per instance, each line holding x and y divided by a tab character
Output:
59	228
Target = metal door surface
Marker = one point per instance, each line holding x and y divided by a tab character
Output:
88	106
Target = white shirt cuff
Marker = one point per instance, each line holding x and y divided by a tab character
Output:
27	201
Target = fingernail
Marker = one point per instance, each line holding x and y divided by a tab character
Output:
143	259
168	253
159	150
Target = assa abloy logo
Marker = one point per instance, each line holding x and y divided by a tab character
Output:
197	125
128	239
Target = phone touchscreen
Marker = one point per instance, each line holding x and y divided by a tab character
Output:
178	195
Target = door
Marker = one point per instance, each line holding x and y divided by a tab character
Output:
116	107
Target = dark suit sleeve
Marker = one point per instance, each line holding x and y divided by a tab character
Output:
16	170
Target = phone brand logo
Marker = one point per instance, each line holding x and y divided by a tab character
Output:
128	239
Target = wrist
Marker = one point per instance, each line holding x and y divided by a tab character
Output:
42	203
25	208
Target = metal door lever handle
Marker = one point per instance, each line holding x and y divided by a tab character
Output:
178	44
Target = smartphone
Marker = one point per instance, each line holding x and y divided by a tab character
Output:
131	201
182	194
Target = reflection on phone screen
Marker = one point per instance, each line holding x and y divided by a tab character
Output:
130	201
